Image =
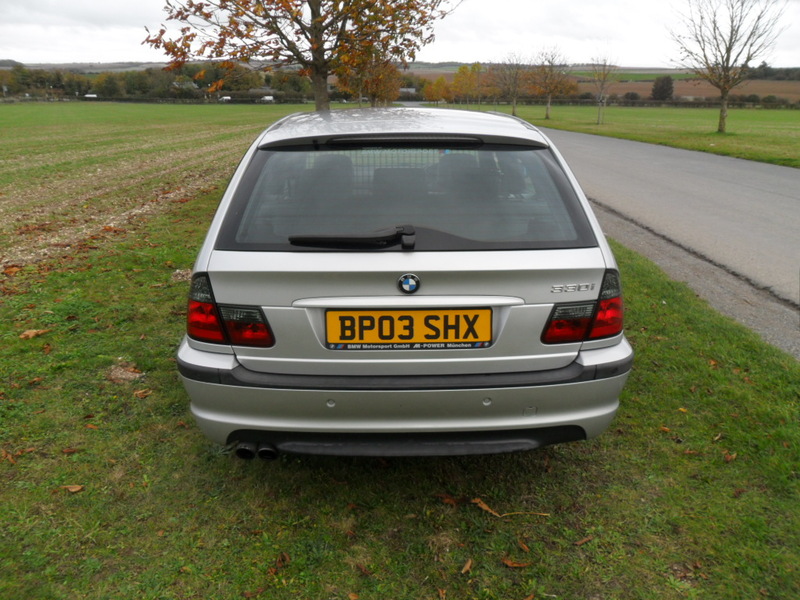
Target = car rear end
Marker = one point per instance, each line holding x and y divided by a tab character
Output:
403	282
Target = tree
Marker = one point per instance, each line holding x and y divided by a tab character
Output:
722	38
551	78
663	89
511	78
108	85
371	76
467	82
603	76
438	90
315	35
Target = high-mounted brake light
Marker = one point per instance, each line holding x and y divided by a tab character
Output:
583	321
222	324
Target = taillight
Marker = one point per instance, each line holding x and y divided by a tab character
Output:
583	321
223	324
246	326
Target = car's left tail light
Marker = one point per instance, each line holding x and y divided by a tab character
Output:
207	321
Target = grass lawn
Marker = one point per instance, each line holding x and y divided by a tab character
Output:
771	136
109	491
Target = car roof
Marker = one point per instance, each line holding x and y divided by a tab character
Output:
429	124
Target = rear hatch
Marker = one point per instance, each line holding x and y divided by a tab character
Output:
347	314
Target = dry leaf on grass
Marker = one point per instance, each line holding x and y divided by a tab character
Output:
512	564
32	333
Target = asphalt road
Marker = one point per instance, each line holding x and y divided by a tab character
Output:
730	228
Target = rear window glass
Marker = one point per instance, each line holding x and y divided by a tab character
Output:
476	198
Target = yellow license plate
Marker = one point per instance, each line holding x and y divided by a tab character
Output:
438	329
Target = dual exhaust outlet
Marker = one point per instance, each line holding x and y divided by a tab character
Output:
250	450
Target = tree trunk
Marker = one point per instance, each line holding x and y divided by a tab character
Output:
319	64
547	110
319	84
723	112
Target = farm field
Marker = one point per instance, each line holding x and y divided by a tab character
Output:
109	491
68	170
686	85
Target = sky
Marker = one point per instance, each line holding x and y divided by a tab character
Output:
629	33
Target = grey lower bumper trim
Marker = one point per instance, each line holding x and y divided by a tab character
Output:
241	377
406	444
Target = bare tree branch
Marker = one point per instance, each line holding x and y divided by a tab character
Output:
721	38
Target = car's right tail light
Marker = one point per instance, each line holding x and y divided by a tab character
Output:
206	321
582	321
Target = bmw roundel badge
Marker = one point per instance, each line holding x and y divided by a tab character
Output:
408	283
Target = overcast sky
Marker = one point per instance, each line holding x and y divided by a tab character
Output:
631	33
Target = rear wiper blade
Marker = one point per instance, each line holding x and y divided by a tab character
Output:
404	234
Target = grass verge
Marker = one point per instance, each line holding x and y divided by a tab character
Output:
770	136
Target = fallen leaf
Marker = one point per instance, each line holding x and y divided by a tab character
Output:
442	594
665	429
523	546
729	457
364	570
683	410
70	450
483	506
73	489
512	564
352	596
142	394
585	540
11	270
32	333
451	500
281	562
92	426
467	567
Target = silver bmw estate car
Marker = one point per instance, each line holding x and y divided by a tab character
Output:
396	282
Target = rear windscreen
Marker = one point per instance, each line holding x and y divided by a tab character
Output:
475	198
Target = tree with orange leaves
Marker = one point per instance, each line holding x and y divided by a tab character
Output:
317	35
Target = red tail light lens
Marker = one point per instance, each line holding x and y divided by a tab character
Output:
202	323
237	325
246	326
569	323
588	320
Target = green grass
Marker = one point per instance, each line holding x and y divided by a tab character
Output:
692	493
771	136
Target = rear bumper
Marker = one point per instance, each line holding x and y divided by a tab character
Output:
405	415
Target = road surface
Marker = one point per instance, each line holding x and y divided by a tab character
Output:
728	227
